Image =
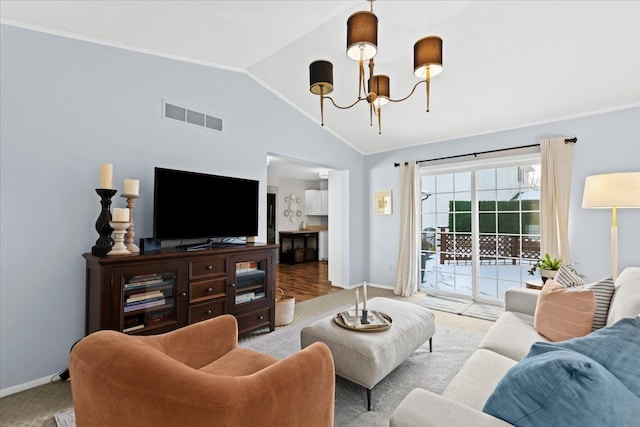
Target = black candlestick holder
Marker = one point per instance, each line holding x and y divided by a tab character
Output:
365	317
105	241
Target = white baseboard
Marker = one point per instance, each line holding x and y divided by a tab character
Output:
26	386
373	285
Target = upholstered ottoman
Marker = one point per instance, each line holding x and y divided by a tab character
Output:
365	358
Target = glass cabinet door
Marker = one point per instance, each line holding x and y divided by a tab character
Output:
149	300
250	281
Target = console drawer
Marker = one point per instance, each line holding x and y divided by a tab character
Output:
207	310
207	267
254	320
207	289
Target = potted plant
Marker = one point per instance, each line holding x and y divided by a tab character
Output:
548	267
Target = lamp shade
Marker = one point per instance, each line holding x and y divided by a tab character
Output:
321	77
427	56
362	35
612	190
380	86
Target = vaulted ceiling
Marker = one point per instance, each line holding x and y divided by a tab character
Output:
507	64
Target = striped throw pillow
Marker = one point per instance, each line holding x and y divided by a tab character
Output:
568	278
603	291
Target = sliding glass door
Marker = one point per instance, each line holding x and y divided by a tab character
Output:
480	227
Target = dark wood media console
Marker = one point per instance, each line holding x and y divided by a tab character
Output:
151	293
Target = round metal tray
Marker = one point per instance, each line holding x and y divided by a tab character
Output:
340	322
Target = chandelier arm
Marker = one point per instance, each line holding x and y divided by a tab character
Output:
371	109
410	93
361	90
347	107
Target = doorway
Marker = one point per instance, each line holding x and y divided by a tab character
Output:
271	217
286	177
480	227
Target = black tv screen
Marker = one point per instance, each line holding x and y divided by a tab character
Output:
191	205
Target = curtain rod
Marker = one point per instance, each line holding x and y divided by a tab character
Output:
566	141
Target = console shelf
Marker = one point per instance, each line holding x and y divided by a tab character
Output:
164	290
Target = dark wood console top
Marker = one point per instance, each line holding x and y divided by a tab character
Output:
177	252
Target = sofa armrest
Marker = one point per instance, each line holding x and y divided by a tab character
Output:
301	390
426	409
198	344
521	300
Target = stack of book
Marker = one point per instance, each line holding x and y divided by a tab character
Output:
145	281
248	296
376	320
133	324
144	300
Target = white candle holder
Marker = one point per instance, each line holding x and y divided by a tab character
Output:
129	241
119	230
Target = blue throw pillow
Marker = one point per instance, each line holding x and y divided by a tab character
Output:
616	348
562	388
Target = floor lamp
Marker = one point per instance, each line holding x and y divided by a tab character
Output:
612	191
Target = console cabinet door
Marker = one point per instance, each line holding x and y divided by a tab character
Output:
251	291
149	298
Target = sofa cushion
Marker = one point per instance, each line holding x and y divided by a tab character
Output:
616	347
426	409
626	299
603	291
563	313
511	335
562	387
477	378
566	277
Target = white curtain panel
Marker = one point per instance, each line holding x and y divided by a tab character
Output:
555	192
407	274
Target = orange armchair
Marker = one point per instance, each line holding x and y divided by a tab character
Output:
197	376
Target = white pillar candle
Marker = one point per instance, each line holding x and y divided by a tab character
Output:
106	175
120	215
364	295
131	187
357	300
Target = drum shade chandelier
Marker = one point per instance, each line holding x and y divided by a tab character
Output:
362	45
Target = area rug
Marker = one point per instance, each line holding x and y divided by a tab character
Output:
462	307
66	419
430	371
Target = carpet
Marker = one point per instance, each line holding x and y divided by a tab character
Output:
462	307
432	371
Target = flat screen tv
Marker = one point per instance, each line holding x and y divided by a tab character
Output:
191	205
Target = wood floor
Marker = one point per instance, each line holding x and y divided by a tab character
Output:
305	280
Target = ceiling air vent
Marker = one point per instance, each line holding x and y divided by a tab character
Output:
192	117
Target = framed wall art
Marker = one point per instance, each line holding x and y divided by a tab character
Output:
382	202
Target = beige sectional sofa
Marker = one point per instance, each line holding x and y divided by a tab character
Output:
507	341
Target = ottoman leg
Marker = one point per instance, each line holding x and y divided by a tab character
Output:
368	399
430	346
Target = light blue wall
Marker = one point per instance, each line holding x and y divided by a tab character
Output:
69	105
608	142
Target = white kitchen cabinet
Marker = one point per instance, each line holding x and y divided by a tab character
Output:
323	245
317	202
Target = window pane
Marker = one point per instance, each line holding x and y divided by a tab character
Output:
486	179
462	181
444	183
